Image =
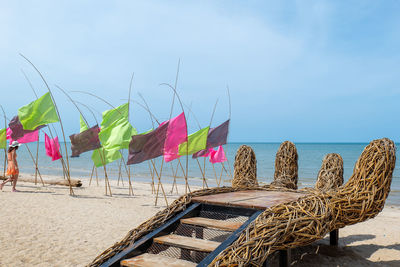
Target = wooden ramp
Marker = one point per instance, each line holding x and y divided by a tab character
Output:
151	260
198	234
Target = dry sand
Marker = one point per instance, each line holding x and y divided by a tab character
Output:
44	226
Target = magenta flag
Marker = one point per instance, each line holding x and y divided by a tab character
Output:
27	138
218	156
176	135
52	147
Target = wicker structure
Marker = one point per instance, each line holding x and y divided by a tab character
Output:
245	168
296	223
286	168
330	176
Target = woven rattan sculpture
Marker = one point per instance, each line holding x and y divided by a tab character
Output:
245	168
297	223
311	217
330	176
286	168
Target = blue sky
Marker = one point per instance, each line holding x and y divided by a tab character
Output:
305	71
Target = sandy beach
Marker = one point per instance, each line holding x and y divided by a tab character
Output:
44	226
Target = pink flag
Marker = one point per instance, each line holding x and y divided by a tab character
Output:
27	138
52	147
218	156
176	135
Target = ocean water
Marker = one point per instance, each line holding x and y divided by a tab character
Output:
310	159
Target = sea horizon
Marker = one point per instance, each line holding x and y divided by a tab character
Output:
310	157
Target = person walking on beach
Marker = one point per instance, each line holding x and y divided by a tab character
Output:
12	168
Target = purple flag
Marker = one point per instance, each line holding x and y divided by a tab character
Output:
85	141
147	146
216	137
18	130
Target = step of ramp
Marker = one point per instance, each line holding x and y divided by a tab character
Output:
150	260
213	224
189	243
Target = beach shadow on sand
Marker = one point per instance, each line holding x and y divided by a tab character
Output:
320	253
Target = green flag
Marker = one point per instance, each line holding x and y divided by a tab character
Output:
197	141
117	135
38	112
102	156
112	115
3	138
83	125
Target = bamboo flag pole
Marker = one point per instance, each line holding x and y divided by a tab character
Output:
129	107
187	147
95	119
230	113
159	183
119	173
174	174
71	191
152	123
91	175
172	106
79	110
37	143
152	178
5	149
203	171
97	177
101	156
220	176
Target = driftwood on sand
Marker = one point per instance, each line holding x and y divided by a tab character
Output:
74	182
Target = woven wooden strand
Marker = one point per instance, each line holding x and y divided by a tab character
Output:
245	168
330	176
310	218
286	168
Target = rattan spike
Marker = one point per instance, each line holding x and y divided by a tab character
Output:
330	176
245	168
286	168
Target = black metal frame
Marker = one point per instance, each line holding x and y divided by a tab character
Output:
207	260
142	244
285	255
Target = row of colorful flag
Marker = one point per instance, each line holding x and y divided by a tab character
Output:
170	139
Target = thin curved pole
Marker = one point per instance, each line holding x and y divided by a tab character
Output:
30	84
73	102
128	168
5	149
230	113
90	110
146	108
96	96
37	142
187	147
106	181
71	191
